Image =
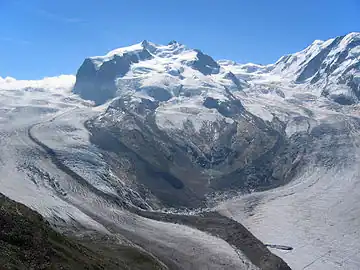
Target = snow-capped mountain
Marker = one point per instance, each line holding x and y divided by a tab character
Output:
328	68
157	71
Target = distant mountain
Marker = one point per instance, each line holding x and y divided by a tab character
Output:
331	68
157	71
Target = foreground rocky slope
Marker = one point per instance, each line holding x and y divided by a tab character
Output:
28	242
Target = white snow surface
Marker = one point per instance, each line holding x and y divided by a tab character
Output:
184	111
169	69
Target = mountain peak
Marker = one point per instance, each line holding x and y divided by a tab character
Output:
173	42
353	35
148	45
318	42
145	43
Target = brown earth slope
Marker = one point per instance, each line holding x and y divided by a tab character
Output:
28	242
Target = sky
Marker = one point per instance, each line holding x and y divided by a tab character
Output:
40	38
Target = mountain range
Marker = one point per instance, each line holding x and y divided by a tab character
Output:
169	148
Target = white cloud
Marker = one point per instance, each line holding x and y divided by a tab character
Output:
64	82
7	80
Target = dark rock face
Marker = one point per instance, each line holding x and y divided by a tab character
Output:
343	100
98	83
150	164
231	76
144	107
157	93
205	64
227	108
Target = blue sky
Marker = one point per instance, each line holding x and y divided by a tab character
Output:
48	37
